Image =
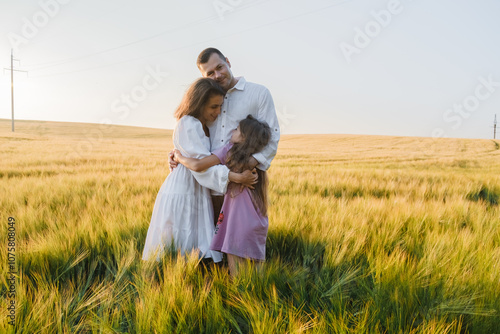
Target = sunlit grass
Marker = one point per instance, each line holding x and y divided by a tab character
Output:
368	234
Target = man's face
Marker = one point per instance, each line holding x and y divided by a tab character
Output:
219	70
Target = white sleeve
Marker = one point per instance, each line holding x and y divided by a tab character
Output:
267	113
188	138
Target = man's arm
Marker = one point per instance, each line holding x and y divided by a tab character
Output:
247	178
267	113
253	163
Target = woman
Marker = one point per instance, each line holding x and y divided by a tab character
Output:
183	212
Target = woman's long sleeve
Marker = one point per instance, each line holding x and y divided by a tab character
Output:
190	139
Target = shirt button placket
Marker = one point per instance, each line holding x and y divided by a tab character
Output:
223	123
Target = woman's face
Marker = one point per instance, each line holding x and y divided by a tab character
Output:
211	110
236	137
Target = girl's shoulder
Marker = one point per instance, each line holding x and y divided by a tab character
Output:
221	152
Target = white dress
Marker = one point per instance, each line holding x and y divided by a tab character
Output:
183	211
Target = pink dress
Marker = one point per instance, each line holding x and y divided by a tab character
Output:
241	230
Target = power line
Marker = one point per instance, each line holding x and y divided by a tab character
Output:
41	66
70	60
339	2
72	27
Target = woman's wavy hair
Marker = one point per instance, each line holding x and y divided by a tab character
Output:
256	136
197	96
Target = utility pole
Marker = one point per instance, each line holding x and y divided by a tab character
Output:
495	127
12	82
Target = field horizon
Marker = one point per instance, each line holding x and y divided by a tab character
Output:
367	234
42	128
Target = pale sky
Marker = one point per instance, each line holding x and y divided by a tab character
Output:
397	67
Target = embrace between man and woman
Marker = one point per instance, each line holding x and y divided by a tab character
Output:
226	136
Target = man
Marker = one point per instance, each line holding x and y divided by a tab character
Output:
242	98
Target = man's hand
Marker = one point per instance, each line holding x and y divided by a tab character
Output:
171	162
249	178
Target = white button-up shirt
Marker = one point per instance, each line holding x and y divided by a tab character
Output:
246	98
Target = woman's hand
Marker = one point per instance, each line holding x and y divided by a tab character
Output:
177	155
172	164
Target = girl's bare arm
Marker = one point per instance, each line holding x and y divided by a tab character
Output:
247	178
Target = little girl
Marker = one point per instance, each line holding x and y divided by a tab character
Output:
241	229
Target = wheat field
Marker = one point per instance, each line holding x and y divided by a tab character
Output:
367	234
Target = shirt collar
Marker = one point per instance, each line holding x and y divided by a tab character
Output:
240	85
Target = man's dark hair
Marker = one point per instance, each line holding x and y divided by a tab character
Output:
205	55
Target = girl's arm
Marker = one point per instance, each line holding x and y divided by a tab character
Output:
197	165
247	178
